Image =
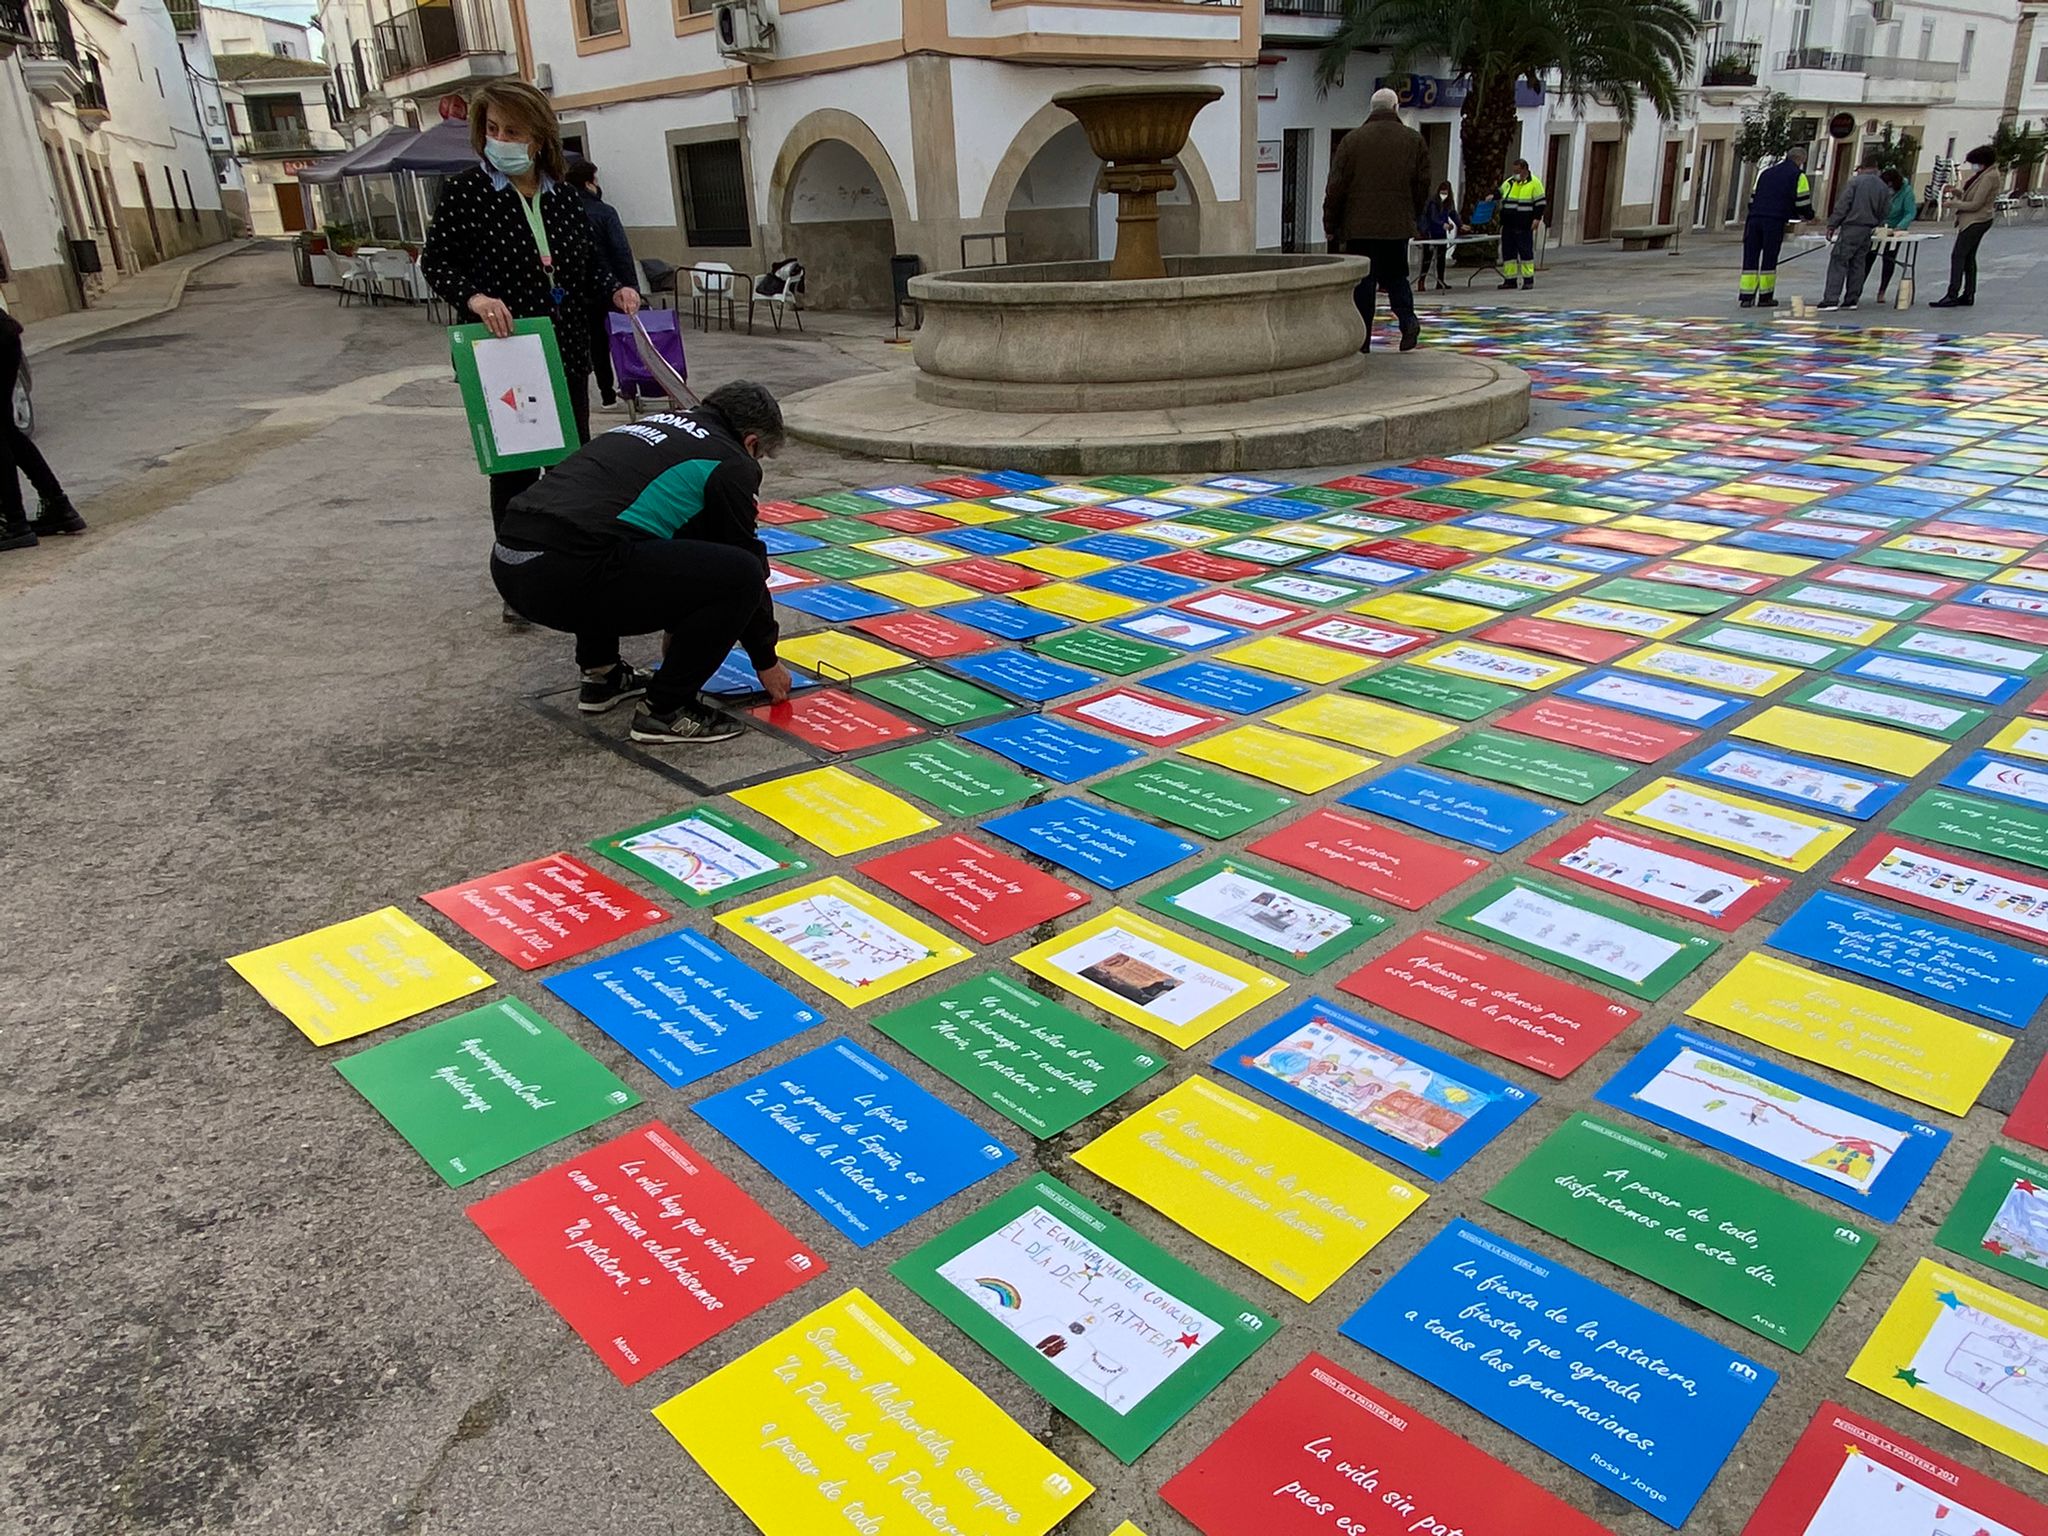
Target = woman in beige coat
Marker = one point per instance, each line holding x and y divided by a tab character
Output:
1975	205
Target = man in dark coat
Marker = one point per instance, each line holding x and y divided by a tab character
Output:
1379	182
613	251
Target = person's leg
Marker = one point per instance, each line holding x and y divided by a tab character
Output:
1887	263
601	358
1857	261
1770	241
1366	295
703	593
1390	258
1967	244
579	406
506	486
15	532
1957	258
1752	257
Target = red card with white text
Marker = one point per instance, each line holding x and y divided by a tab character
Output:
1687	882
545	910
1623	539
1419	511
1574	642
1192	562
1428	557
2003	622
773	512
1488	1000
833	720
1141	716
986	575
1851	1476
1610	732
908	520
644	1248
1326	1452
987	894
1367	485
1370	859
925	634
1106	518
963	487
2028	1121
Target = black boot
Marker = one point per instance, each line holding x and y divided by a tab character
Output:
16	534
57	516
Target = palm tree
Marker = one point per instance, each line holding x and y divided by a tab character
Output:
1609	51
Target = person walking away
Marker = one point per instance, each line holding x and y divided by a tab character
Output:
19	456
1439	222
1904	209
652	527
1976	204
616	254
1781	198
1522	206
1860	208
1379	181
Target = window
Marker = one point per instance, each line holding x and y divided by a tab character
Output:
600	17
714	189
1802	24
171	187
1926	39
1969	50
189	198
282	50
699	7
2041	67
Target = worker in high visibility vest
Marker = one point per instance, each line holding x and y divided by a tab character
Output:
1782	197
1522	206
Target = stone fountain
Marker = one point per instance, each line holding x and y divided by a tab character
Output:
1136	131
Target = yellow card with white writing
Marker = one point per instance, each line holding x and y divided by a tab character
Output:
1276	1197
1966	1355
1557	512
847	1421
849	945
349	978
1710	669
831	809
1776	834
1084	605
1909	1050
831	654
1306	767
2022	736
1288	657
1480	540
1054	561
920	589
1512	490
1433	613
1748	560
1622	618
1813	623
1669	528
1151	976
1846	741
970	512
1356	722
1497	664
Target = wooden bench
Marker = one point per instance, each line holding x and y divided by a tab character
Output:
1644	237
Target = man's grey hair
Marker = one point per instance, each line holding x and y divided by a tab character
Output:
1385	100
748	407
1797	152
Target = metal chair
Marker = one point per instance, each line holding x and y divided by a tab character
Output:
661	282
713	291
786	299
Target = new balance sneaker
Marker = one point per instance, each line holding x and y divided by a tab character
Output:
1824	307
685	725
17	535
58	516
621	683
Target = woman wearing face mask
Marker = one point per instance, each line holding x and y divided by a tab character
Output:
1439	222
510	241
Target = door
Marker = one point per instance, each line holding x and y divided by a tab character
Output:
1553	175
1667	199
156	239
1299	226
1704	177
1437	136
1599	181
291	206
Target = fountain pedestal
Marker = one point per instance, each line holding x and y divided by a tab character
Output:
1137	130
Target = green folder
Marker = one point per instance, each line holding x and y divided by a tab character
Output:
515	394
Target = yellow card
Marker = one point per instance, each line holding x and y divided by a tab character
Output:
1814	623
1151	976
1083	604
1593	613
1955	549
967	512
917	588
1909	1050
1557	512
1433	613
831	654
1497	664
1966	1355
2022	736
1775	834
1846	741
1513	489
2022	576
1356	722
1483	540
1748	560
349	978
1127	1529
906	550
1289	657
1710	669
1054	561
849	945
1780	493
831	809
1669	528
1279	1199
1306	767
846	1421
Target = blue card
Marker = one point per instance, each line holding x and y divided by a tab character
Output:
1949	966
1427	1111
1485	818
1856	1153
980	541
683	1006
780	541
1023	675
1096	843
1640	1404
1281	509
1789	544
1653	696
1973	683
836	604
1408	476
1122	546
1579	559
1181	631
1143	583
736	678
854	1139
1012	621
1052	747
1983	773
1231	689
1856	793
1014	479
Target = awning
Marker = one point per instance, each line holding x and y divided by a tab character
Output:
377	155
335	167
443	150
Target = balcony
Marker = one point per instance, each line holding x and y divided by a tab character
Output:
1825	59
50	64
267	142
1727	65
1301	21
434	46
1909	82
184	16
14	30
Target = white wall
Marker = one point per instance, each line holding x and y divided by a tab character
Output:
153	119
29	219
231	31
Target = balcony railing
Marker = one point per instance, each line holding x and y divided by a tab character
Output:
184	16
1331	9
50	36
14	20
1932	71
274	141
1826	58
428	35
1729	63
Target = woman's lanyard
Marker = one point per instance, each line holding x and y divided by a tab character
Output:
534	222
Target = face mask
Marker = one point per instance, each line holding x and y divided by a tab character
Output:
510	159
1443	197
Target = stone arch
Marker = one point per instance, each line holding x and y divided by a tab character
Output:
837	204
1045	125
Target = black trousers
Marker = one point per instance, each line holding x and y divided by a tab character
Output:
1389	260
1518	248
1434	253
18	453
1888	263
504	487
1962	261
601	357
702	594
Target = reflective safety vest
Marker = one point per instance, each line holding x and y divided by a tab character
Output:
1782	192
1523	200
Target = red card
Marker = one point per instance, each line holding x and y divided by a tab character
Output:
925	634
1367	485
2006	536
2003	622
833	720
1574	642
1566	467
989	575
1428	557
1607	731
1141	716
1879	1483
1348	632
1370	859
545	910
1445	467
772	512
1721	898
1192	562
1324	1453
1925	878
1630	543
963	487
1488	1000
986	894
1420	511
644	1248
1222	607
908	520
1106	518
1728	501
2029	1119
1680	573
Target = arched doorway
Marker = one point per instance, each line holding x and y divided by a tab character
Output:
1056	213
841	225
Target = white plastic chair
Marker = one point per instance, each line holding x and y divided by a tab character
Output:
712	290
393	271
358	279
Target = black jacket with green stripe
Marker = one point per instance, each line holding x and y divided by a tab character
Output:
674	475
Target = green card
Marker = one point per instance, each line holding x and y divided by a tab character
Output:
844	530
1857	700
1601	502
934	696
839	563
1129	485
1563	773
1315	591
1533	477
950	778
1445	496
1439	693
1024	1056
1102	651
1204	800
1769	645
485	1088
1757	1257
1041	530
2001	1220
514	394
1669	596
1960	650
1638	955
848	503
1983	826
1323	496
701	855
1488	594
1279	916
1222	518
1932	565
1112	1330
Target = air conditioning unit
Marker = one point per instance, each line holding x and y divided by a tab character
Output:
1881	11
743	29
